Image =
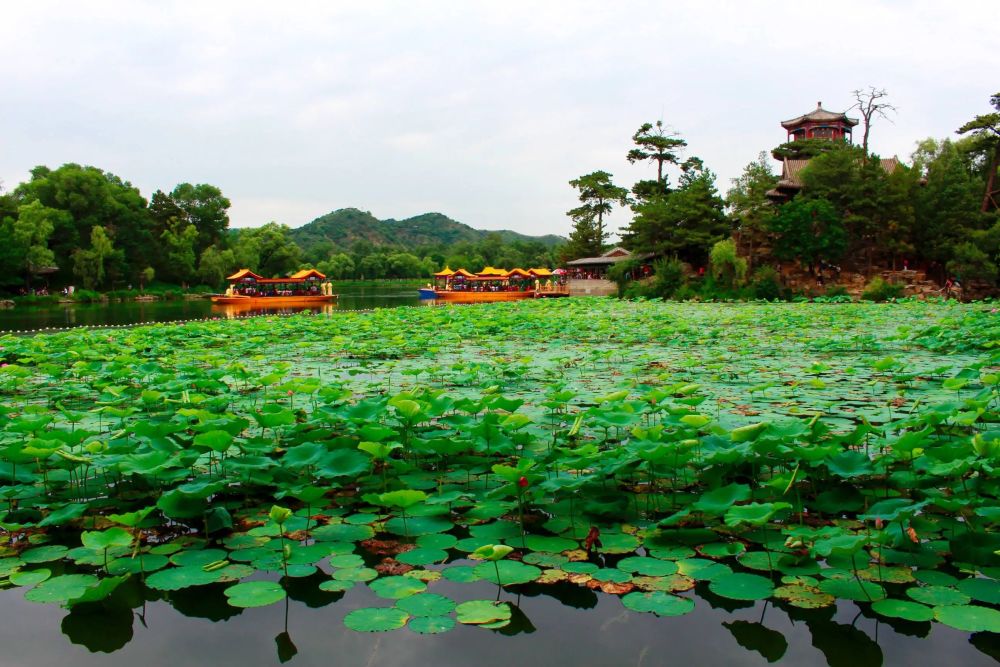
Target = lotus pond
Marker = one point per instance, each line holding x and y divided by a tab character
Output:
743	482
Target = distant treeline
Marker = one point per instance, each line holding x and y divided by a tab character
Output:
83	226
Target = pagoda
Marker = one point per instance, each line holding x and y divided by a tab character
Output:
817	124
820	124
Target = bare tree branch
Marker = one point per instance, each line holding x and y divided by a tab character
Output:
871	103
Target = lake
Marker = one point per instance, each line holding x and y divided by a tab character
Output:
354	296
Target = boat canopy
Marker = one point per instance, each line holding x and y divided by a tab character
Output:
492	272
447	272
244	274
307	274
463	273
540	273
518	273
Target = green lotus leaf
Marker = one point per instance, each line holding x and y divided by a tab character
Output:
61	589
478	612
44	554
395	588
511	572
30	577
658	602
904	609
421	556
851	589
431	625
418	525
346	561
141	563
804	597
64	514
255	594
342	532
376	619
437	541
216	440
702	569
754	514
719	500
355	574
981	589
426	604
741	586
938	596
106	539
650	567
969	618
176	578
460	573
336	586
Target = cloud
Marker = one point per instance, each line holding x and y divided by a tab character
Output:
484	111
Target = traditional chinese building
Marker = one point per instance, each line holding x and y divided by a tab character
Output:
820	124
817	124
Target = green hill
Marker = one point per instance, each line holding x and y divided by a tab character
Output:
345	226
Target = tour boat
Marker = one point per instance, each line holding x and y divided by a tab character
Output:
492	284
307	287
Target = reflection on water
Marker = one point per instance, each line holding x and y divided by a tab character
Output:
34	318
559	624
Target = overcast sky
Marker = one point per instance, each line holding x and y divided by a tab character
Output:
481	111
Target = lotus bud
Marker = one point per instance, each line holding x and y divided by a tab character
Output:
523	482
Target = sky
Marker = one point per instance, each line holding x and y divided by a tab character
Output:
480	111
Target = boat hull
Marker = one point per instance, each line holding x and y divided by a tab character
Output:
488	297
275	301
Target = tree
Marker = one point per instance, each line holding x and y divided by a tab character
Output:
655	145
92	198
179	242
947	207
29	236
598	195
269	250
337	267
89	264
684	224
206	208
749	206
728	268
810	231
986	130
870	103
215	264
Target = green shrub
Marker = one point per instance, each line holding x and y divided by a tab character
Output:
727	267
836	290
35	299
880	290
765	283
669	275
87	296
623	273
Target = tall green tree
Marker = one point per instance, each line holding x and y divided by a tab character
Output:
215	264
90	264
598	195
685	224
92	198
179	241
809	231
29	237
654	144
749	207
206	208
268	250
985	129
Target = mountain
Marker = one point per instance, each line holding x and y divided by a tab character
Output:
345	226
